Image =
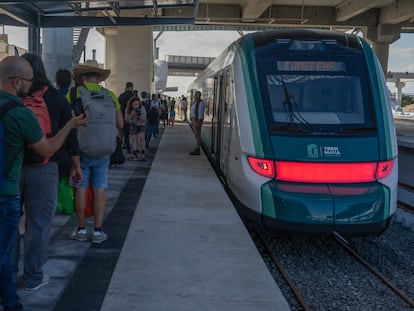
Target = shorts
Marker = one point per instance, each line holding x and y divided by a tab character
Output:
96	168
135	129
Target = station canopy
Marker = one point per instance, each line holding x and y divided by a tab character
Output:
390	14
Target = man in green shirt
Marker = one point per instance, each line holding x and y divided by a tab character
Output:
20	128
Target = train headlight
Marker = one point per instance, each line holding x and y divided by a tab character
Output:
384	169
262	167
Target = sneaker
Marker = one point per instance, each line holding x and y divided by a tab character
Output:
99	237
45	280
195	152
79	235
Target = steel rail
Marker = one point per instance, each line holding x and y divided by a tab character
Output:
341	240
275	260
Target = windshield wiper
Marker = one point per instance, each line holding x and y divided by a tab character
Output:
291	110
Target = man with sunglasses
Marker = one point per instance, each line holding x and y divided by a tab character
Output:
20	128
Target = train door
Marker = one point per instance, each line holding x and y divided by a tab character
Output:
227	101
216	122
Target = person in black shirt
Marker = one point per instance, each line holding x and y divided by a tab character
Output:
123	99
39	181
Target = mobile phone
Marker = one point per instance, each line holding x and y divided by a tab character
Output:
77	107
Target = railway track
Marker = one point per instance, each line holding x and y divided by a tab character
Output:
301	293
403	204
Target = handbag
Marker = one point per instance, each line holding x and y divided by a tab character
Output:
117	157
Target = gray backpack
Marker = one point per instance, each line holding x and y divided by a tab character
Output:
98	137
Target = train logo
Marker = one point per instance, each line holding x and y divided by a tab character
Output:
313	151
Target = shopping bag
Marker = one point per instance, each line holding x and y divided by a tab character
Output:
65	200
89	211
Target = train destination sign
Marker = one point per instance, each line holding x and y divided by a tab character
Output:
310	66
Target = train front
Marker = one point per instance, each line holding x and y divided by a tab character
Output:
329	146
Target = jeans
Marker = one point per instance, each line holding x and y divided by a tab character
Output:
149	132
39	186
9	222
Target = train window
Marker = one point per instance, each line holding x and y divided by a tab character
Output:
316	93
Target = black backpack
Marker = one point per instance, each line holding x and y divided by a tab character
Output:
153	116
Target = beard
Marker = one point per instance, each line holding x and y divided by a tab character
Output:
21	92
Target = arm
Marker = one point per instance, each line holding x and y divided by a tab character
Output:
119	119
46	148
75	175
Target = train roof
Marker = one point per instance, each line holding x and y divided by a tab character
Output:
270	36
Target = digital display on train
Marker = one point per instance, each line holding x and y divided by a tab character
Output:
311	66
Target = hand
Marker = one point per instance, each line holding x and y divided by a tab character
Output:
75	176
80	120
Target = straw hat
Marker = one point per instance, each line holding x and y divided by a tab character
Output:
90	66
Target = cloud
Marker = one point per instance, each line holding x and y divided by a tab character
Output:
195	43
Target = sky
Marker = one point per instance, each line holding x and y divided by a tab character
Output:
197	43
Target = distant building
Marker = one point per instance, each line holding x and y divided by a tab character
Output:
7	49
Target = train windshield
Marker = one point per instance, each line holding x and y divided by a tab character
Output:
315	86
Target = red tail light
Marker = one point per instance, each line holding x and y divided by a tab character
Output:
313	172
316	172
262	167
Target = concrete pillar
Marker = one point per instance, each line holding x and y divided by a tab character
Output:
129	56
381	36
399	85
57	50
381	50
34	39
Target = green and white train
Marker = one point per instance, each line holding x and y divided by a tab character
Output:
299	124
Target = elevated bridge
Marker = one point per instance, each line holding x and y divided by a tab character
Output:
187	65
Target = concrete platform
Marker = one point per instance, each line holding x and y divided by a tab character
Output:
187	248
175	243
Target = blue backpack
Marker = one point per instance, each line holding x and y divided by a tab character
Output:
3	110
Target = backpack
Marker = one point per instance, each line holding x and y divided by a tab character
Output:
3	109
36	103
153	116
98	137
146	103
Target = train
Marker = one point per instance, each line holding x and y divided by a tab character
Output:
299	125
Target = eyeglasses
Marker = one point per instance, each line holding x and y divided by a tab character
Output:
18	77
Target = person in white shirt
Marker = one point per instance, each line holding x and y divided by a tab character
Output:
197	117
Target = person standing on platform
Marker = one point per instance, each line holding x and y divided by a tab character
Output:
123	100
89	75
63	79
184	105
197	118
21	128
39	177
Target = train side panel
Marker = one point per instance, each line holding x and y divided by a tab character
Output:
245	185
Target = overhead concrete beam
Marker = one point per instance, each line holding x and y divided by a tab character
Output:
384	33
310	15
351	8
397	12
206	10
254	9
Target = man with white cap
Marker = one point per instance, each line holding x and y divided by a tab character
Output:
89	75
